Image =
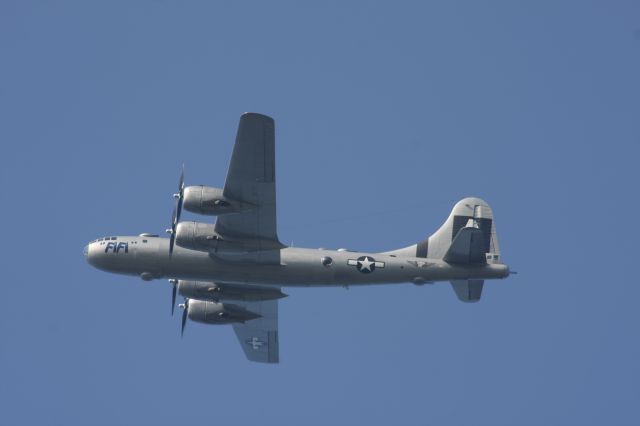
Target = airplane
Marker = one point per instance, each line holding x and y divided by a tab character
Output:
233	271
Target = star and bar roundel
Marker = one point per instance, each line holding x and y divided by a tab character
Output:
365	264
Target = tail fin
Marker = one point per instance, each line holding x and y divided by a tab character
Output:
468	234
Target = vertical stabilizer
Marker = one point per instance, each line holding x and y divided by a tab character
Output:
467	237
476	218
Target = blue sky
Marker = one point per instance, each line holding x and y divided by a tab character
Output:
386	114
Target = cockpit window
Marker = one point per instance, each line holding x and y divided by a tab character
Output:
113	238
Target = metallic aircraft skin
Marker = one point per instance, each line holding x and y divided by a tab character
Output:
232	272
298	267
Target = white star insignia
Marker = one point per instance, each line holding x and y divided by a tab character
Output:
365	264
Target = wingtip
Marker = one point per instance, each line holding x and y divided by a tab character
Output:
257	115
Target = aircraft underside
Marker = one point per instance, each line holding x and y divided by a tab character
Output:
232	271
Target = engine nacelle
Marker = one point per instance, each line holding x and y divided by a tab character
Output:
203	237
210	201
217	313
205	290
196	235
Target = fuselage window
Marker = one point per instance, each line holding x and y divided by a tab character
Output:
144	241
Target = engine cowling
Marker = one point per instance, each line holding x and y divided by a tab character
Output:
209	201
196	235
203	237
208	312
205	290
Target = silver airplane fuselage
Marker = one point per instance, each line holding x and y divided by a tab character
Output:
149	258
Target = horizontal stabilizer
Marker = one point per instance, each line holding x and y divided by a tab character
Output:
467	247
468	290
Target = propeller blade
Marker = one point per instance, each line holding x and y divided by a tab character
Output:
185	312
172	231
180	195
181	182
174	291
177	211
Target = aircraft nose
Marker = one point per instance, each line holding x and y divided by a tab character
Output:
96	257
89	253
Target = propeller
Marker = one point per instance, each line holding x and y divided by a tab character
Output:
177	211
174	290
179	196
185	312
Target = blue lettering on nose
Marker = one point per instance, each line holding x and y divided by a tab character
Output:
116	247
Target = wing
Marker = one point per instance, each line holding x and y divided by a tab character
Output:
251	180
259	337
